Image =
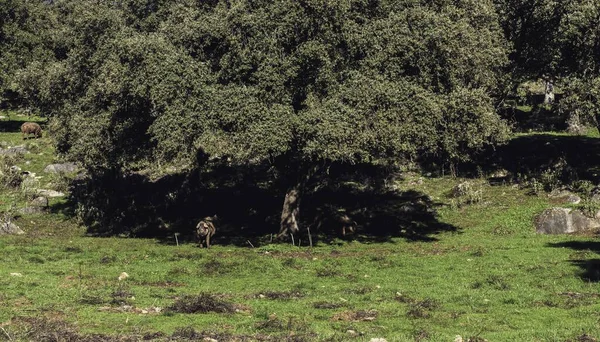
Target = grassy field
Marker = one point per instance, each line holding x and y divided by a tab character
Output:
491	278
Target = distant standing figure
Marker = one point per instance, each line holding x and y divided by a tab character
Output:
549	96
205	229
31	128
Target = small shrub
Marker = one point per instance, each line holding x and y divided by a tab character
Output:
202	303
589	207
10	176
422	309
29	188
327	272
468	192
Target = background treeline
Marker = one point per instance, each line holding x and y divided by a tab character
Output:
182	109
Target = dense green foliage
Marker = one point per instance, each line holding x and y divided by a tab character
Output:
296	86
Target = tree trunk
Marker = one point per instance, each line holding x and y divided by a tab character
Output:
289	214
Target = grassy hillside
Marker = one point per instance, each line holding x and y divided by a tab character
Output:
489	278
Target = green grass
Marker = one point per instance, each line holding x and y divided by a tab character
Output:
493	278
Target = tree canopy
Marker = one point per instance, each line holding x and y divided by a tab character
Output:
136	84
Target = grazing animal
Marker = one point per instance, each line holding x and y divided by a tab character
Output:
206	229
335	220
31	128
348	224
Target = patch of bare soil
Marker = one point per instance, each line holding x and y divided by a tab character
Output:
48	330
355	316
201	303
280	295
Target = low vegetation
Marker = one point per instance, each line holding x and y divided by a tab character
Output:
491	278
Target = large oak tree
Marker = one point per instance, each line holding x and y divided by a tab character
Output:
297	84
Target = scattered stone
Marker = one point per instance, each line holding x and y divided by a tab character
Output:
15	168
40	202
564	221
61	168
15	150
16	274
208	339
49	193
564	197
123	276
132	309
7	228
31	210
378	339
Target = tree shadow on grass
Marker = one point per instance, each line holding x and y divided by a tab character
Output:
554	158
248	202
590	267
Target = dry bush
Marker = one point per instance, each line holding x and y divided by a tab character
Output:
201	303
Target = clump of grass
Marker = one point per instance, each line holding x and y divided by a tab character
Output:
327	305
363	290
42	329
108	259
175	271
91	300
468	192
423	308
60	181
215	267
28	188
583	338
121	296
10	176
280	295
201	303
494	281
291	263
328	272
421	335
356	316
291	326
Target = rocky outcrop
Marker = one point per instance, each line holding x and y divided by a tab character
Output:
564	221
61	168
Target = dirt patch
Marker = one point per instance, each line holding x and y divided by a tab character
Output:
583	338
327	305
356	316
164	284
280	295
131	309
201	303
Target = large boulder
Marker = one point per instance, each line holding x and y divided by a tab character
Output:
49	193
61	168
38	205
16	150
10	228
564	221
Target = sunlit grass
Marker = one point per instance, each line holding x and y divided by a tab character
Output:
492	278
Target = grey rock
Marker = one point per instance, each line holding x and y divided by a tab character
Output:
32	210
564	221
40	202
10	228
13	150
49	193
563	196
61	168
